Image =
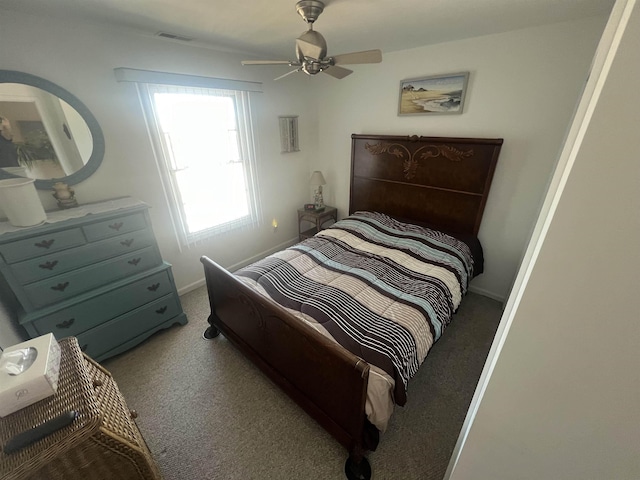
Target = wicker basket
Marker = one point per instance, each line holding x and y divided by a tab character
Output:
102	443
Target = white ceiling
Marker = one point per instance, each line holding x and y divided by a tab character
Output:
268	28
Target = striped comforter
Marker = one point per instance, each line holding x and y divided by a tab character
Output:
383	289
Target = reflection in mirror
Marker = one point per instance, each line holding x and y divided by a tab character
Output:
45	132
43	137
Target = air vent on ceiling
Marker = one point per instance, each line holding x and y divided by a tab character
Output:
173	36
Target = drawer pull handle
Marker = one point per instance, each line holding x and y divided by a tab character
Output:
154	287
97	382
44	243
116	226
127	242
84	347
133	414
161	310
66	323
48	265
134	261
60	287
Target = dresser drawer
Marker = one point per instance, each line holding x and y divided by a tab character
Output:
67	285
101	339
94	311
41	245
61	262
115	226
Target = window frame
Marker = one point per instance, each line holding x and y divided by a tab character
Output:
246	146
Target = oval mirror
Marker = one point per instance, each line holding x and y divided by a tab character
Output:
45	132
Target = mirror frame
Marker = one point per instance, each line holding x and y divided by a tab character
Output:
97	154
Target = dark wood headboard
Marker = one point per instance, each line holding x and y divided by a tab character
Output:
441	181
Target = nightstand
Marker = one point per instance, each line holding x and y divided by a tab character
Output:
318	219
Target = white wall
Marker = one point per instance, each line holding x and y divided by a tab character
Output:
81	57
523	88
563	401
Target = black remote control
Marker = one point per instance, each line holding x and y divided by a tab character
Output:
26	438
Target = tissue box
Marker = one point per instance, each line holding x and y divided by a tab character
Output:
38	381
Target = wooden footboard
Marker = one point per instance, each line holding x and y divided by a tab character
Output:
322	377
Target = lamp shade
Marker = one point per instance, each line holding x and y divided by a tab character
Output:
317	178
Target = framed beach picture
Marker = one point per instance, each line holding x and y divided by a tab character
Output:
440	94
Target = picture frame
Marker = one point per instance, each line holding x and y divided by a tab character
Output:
288	133
433	95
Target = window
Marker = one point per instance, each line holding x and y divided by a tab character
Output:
204	145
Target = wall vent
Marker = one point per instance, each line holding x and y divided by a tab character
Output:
173	36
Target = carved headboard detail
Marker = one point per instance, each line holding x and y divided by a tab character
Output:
442	181
411	159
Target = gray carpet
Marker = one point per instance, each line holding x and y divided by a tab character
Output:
207	413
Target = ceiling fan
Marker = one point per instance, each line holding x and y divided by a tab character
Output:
311	49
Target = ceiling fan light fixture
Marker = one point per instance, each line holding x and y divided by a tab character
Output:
311	44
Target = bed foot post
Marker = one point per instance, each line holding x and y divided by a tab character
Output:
357	467
211	332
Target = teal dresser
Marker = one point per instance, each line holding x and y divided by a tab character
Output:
93	272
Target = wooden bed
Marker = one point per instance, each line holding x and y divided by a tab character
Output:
439	181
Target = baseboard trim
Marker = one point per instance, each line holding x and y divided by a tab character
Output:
199	283
487	293
258	256
191	287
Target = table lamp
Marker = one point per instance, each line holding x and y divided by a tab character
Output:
317	180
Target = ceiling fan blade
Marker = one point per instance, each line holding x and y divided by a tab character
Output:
270	62
337	72
288	73
310	49
367	56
